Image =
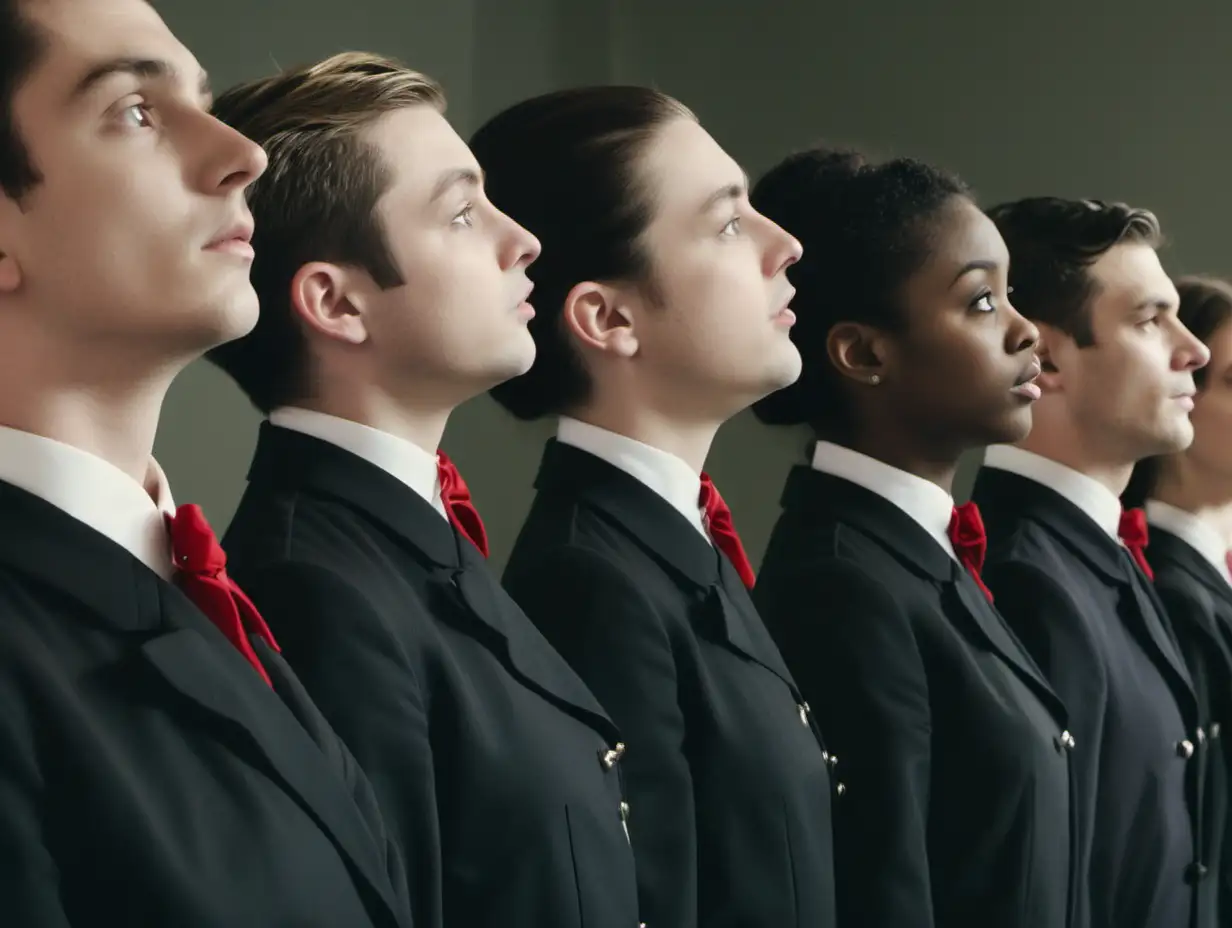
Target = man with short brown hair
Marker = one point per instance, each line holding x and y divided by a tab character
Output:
391	292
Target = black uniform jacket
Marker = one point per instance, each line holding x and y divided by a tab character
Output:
952	748
1096	628
490	757
1198	601
148	775
728	784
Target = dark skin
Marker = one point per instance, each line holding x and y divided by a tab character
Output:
951	379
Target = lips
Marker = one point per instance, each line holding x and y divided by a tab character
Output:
1032	371
238	233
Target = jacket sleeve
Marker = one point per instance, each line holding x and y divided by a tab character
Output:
612	636
30	886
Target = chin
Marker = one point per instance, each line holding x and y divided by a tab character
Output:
1010	428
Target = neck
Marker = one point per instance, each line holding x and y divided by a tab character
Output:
936	468
423	426
688	441
113	418
1074	449
1207	496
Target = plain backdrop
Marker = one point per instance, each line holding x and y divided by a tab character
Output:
1127	101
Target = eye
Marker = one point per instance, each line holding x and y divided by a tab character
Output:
465	216
732	227
985	303
139	116
1148	322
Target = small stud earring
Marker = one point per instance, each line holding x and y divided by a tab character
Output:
875	379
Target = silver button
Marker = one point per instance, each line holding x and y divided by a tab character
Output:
1184	749
1201	736
1068	740
611	758
840	789
804	713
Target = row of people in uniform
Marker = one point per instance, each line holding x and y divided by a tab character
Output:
905	719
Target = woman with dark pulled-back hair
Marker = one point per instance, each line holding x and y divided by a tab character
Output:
662	304
952	747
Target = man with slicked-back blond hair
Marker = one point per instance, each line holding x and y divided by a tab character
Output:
160	765
392	291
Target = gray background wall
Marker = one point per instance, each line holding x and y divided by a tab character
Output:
1128	101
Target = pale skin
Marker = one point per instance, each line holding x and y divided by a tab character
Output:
129	259
1199	479
1127	397
401	360
670	366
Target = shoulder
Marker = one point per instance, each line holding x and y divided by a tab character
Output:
831	563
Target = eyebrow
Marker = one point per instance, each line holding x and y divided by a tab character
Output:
147	68
970	266
726	192
468	176
1163	304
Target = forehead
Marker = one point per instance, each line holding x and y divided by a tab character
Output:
684	165
418	144
80	34
961	233
1131	274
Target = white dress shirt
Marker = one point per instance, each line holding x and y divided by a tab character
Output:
926	503
401	459
1088	494
95	492
663	472
1192	530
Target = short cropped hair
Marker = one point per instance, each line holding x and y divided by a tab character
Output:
317	199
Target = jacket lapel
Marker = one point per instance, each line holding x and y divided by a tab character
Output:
463	588
203	673
473	591
736	619
188	654
989	625
833	498
720	609
1006	497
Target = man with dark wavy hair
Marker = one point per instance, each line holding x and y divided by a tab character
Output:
159	763
1066	562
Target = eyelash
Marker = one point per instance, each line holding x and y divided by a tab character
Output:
147	114
734	225
988	295
465	215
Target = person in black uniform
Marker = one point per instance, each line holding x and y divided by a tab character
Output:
663	311
870	584
159	762
392	291
1117	386
1188	506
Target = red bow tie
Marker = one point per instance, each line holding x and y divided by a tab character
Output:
201	573
456	498
718	521
1135	537
970	541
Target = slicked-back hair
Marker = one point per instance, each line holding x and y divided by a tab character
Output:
317	200
1053	242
